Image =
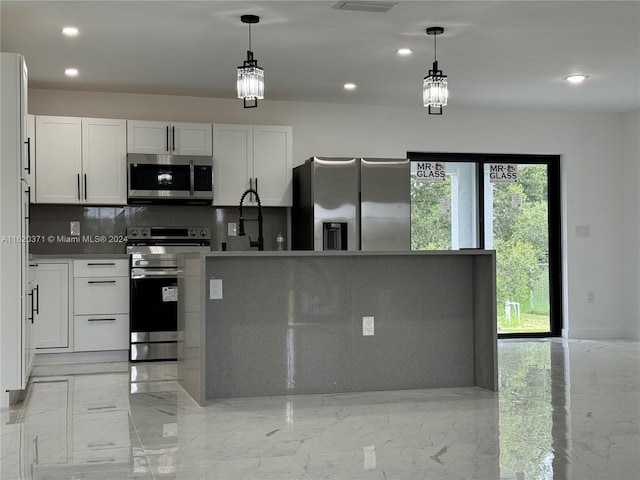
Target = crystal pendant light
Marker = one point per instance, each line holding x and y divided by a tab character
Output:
250	79
435	92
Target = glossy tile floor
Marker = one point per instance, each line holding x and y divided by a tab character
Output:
565	410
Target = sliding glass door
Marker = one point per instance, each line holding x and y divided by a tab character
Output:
507	203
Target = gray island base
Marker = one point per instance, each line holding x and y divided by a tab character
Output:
284	323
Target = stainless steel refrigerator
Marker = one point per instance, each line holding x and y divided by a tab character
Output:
351	204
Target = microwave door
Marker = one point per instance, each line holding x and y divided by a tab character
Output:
160	180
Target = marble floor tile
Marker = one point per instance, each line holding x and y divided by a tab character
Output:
565	410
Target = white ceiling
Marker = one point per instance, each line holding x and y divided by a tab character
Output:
506	54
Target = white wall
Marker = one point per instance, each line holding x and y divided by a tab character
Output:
590	145
631	221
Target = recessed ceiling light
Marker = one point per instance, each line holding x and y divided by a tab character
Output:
349	86
577	78
71	72
70	31
405	51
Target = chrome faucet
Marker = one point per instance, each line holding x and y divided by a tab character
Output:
241	233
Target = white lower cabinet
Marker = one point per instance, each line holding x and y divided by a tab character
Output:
80	305
51	305
101	305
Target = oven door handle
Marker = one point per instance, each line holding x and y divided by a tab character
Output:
137	273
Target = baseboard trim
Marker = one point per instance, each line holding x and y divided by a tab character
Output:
603	333
82	357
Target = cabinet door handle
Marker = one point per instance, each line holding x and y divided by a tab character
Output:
251	188
28	142
173	138
37	290
113	264
28	215
101	320
32	308
85	186
79	198
167	138
101	281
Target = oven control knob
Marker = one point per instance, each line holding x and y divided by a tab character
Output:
192	233
145	232
203	233
133	232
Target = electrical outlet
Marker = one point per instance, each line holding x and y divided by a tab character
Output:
591	296
583	231
367	326
231	229
74	228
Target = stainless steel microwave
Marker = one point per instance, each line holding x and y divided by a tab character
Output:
169	178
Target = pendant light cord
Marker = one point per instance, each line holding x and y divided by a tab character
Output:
435	49
249	37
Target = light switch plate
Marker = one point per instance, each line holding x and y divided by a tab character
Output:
215	289
367	326
74	228
231	229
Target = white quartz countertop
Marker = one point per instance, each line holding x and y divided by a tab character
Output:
77	256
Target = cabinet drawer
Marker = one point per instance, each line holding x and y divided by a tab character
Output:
96	295
101	332
101	268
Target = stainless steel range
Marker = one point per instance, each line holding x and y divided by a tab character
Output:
154	286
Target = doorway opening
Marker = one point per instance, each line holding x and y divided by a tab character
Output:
506	203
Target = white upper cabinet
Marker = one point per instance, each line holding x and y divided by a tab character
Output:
175	138
252	156
191	139
81	160
104	161
272	164
59	158
147	137
232	162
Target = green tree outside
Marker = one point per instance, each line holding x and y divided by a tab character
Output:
520	237
430	222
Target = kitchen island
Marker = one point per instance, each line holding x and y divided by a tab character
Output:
281	323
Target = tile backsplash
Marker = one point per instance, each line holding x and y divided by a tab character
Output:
52	224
